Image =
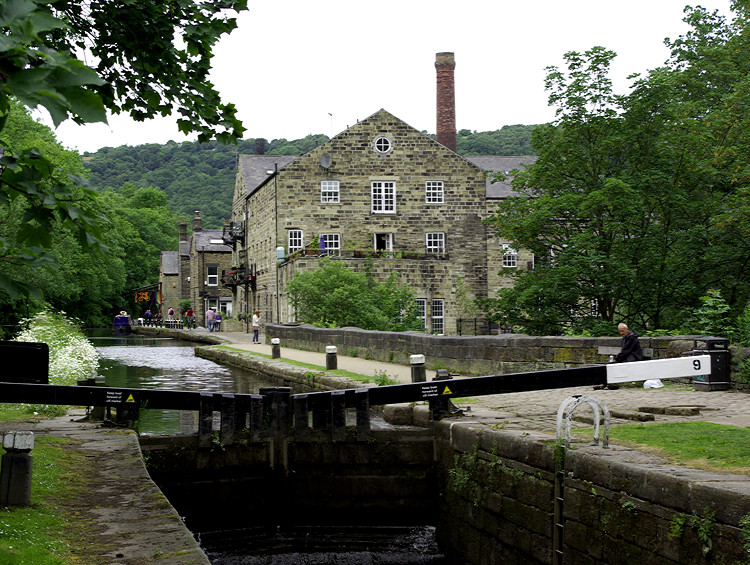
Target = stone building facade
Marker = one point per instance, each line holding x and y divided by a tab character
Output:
194	272
380	189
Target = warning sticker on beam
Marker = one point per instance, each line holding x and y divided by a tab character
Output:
114	397
118	397
433	390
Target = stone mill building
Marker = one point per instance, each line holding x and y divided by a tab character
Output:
380	192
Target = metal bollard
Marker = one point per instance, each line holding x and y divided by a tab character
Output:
331	359
418	371
275	348
15	471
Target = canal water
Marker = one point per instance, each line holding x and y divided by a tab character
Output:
137	361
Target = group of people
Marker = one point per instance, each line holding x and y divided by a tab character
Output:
213	320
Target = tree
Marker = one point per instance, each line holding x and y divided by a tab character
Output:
336	296
150	58
630	203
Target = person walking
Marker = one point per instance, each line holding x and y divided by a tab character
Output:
210	319
217	322
256	326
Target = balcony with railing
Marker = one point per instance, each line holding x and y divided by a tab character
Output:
398	254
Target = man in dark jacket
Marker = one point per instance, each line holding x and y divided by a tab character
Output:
631	347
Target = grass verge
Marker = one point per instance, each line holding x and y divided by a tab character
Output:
337	372
701	445
40	533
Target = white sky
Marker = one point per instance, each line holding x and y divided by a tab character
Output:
297	67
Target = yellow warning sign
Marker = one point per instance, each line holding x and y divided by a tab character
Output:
130	398
446	390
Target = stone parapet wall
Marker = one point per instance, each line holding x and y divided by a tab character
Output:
469	355
618	505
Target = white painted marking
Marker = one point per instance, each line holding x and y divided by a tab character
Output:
659	369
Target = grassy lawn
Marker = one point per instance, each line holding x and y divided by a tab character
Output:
40	533
701	445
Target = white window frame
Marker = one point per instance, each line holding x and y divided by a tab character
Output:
387	237
329	192
383	194
212	275
382	144
422	311
295	241
510	257
438	316
435	242
434	192
333	243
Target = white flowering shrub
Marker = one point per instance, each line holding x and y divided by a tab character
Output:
71	355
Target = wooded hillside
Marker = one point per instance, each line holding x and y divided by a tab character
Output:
200	176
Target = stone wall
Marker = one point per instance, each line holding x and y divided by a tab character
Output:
617	505
469	355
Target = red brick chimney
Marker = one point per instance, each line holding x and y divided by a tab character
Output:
446	100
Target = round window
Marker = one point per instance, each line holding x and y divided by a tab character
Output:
382	145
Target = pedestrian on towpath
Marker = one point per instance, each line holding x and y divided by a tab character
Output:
256	326
210	319
217	322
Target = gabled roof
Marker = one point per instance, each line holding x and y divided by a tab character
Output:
170	262
500	164
209	241
254	168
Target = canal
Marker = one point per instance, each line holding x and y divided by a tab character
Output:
137	361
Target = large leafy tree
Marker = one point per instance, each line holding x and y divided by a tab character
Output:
628	206
90	286
336	296
146	59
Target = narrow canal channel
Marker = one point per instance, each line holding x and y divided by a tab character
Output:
163	363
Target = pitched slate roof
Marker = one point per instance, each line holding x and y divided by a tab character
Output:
500	164
254	167
170	262
209	241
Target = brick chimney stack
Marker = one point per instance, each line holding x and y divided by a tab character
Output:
446	100
183	230
197	222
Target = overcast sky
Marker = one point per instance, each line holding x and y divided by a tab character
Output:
297	67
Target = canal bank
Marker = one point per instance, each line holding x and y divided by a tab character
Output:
496	471
122	515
